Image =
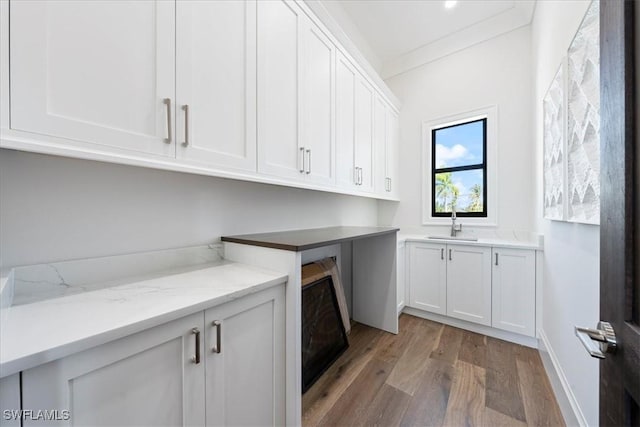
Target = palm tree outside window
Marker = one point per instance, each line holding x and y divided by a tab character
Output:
459	169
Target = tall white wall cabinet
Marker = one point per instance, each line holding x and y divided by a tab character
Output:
250	90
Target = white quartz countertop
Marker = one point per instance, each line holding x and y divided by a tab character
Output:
39	332
494	242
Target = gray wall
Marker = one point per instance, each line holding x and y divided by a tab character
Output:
55	208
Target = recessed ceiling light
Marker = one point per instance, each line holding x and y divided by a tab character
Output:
448	4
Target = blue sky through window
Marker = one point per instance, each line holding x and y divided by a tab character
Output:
459	145
456	146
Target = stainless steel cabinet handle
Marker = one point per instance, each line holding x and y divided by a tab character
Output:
169	138
450	258
359	176
356	172
442	253
309	161
196	359
496	258
302	163
218	346
389	184
185	108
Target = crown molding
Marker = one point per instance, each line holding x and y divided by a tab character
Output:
516	17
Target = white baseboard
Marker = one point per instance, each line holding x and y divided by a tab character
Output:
473	327
564	395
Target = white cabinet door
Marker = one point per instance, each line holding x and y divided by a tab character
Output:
364	142
428	277
391	154
245	361
94	73
278	89
318	104
216	83
148	378
380	134
514	290
345	122
469	283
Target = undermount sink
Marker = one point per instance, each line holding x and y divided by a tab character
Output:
462	238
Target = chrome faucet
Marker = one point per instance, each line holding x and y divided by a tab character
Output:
454	228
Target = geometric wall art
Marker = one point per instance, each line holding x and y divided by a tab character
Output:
571	134
554	148
583	121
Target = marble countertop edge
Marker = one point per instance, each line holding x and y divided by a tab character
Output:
31	336
482	241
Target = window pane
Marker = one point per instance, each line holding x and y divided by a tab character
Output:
459	145
463	189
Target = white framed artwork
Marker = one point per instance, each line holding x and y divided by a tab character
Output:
583	121
571	134
554	148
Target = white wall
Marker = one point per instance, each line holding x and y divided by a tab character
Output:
495	72
350	29
571	256
54	208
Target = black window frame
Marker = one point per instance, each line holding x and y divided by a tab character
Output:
483	166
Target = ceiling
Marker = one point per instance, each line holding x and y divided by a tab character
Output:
396	28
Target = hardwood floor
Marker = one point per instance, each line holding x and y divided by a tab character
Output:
431	375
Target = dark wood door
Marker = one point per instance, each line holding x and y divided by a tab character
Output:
620	212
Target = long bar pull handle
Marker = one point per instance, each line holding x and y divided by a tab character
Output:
196	359
185	108
169	138
442	254
302	163
496	258
218	346
450	258
309	161
359	176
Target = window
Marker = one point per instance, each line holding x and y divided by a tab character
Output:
459	169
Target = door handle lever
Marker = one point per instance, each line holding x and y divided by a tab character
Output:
598	341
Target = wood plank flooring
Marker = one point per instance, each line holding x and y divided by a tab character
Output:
431	375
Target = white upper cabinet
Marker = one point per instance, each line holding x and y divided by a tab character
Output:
391	153
514	290
216	83
380	134
364	142
244	89
318	104
469	283
386	135
94	73
345	122
279	153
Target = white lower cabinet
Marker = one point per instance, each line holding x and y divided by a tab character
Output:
428	277
144	379
245	362
169	375
469	283
514	290
489	286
